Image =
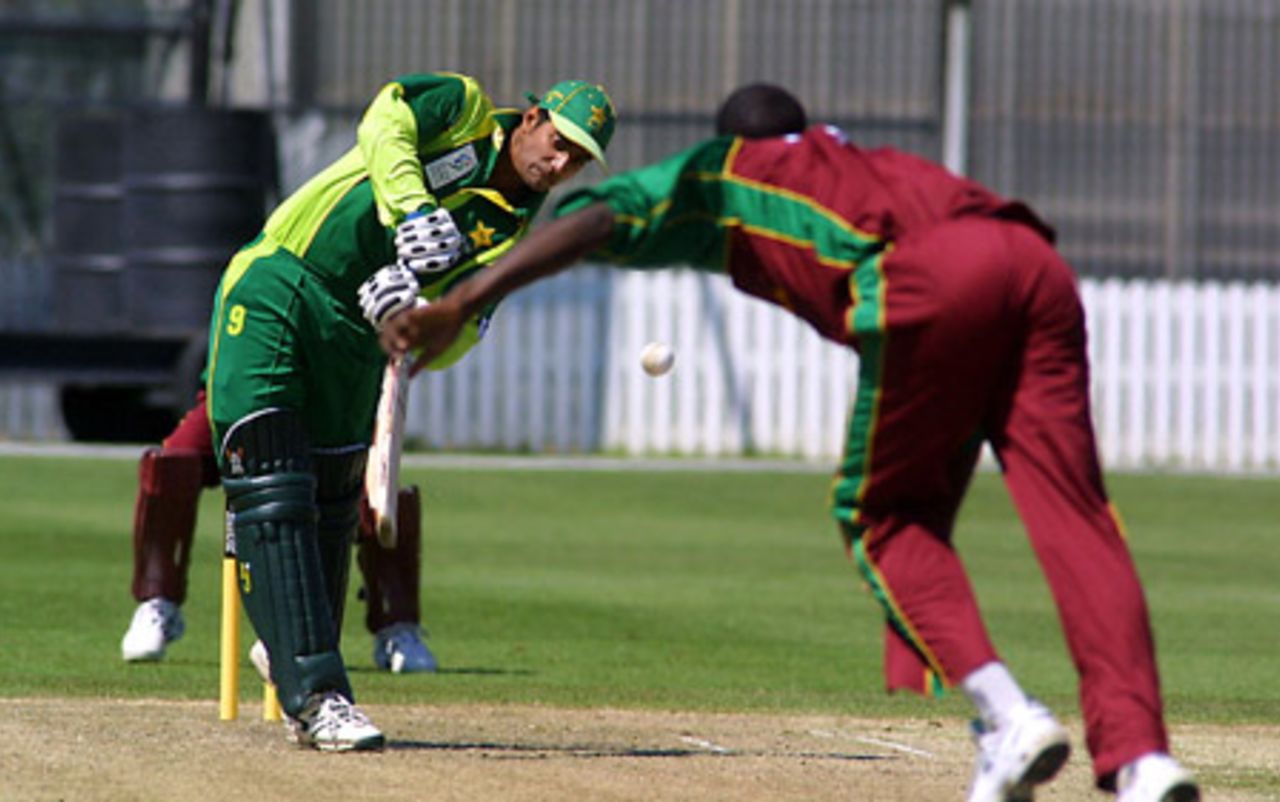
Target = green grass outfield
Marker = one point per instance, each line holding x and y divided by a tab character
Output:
687	590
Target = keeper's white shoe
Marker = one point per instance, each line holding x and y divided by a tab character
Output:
1026	751
331	723
1156	778
156	623
399	648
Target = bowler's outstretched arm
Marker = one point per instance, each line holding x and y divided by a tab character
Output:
546	251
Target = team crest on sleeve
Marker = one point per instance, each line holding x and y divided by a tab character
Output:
451	166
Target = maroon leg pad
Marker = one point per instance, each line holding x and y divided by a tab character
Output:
164	522
391	576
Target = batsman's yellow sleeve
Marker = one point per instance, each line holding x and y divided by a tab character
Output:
388	138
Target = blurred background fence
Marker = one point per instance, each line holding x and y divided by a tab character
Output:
1147	131
1185	374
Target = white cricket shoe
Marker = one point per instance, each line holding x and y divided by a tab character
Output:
1027	751
1155	778
331	723
261	660
156	623
399	648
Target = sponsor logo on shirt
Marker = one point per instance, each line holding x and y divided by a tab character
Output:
451	166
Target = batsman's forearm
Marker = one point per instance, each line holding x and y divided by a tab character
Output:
545	252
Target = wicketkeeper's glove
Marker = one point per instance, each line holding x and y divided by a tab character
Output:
391	289
428	242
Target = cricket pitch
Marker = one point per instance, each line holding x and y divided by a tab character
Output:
96	749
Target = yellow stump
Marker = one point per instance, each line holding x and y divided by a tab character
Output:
229	649
229	654
270	703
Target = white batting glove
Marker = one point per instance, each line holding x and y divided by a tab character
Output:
387	292
428	243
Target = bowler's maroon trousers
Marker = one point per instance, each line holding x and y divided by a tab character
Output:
977	334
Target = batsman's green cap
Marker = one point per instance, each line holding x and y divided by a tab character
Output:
582	113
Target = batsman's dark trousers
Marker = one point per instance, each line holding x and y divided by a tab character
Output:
292	383
969	331
281	338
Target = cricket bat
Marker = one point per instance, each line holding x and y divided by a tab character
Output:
382	473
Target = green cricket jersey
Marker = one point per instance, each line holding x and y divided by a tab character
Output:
287	328
426	141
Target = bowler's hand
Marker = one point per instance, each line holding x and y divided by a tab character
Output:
548	250
432	329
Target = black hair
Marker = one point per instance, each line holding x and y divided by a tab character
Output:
760	110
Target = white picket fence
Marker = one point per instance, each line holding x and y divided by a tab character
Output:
29	411
1185	376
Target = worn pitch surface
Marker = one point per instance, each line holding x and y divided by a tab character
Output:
56	749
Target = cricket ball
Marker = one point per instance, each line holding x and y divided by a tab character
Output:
657	358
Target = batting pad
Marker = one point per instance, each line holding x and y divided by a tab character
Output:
271	496
339	487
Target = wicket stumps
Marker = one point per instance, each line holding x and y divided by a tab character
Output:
229	653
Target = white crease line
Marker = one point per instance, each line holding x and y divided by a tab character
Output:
707	745
866	739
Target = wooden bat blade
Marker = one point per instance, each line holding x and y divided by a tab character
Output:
382	473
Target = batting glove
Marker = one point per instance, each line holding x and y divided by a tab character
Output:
387	292
428	242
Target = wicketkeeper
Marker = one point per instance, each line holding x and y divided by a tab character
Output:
170	480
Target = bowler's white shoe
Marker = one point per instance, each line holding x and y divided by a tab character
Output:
1155	778
399	648
156	623
1014	758
331	723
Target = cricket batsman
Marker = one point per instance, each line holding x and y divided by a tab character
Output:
438	185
